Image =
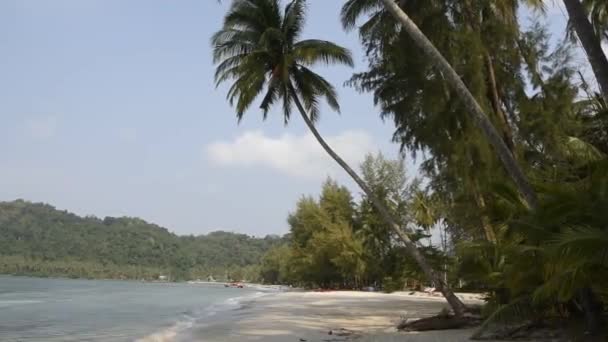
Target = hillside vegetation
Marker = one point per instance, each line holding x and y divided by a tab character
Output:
37	239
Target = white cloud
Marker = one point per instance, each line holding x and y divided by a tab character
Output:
41	128
299	156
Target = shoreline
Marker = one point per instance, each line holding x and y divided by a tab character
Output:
311	316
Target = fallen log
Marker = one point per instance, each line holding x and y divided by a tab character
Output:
439	322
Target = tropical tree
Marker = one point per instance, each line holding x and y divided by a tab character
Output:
323	248
353	9
589	20
548	259
259	49
590	41
387	179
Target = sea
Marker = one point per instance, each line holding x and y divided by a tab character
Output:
44	309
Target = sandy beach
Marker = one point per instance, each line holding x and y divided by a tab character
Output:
350	316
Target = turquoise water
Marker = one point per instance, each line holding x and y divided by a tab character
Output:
34	309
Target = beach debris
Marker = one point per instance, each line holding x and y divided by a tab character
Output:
341	332
444	320
303	340
342	335
438	323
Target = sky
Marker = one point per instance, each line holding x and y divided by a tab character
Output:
109	108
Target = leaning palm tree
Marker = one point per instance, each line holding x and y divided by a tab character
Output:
589	20
590	40
354	9
259	50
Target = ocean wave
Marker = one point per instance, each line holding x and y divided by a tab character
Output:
169	334
268	288
8	303
200	318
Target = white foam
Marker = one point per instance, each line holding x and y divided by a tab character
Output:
7	303
171	333
168	334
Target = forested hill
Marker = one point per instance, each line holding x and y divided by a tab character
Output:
37	239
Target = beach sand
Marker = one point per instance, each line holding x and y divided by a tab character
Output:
310	316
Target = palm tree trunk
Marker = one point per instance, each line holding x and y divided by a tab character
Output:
591	43
456	304
473	107
507	130
485	220
593	311
474	25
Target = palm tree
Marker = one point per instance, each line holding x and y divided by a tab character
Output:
258	48
353	9
589	20
591	42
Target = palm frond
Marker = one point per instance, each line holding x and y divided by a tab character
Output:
256	15
257	48
577	148
230	42
582	243
272	94
355	9
287	102
308	94
233	67
562	283
514	311
244	91
312	51
271	37
293	19
311	86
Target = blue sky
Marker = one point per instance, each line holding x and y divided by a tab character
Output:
108	107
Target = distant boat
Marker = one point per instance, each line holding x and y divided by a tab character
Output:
234	285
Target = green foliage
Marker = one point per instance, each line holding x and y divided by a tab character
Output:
258	48
392	285
534	263
337	243
274	267
325	250
37	239
548	256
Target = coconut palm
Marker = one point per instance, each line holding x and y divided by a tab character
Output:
260	51
589	20
354	9
590	41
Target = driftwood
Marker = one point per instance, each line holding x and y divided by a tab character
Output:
341	332
439	322
343	335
